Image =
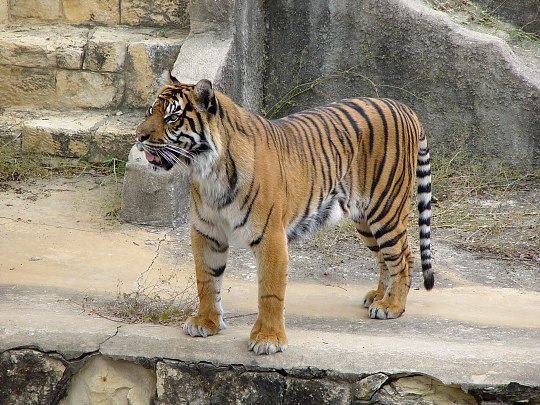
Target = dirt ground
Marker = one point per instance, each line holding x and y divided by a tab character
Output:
492	254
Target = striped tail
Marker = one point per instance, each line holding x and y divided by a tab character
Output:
423	178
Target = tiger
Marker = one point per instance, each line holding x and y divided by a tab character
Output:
263	183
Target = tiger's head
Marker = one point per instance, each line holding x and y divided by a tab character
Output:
177	125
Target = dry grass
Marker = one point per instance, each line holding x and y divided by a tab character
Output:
164	302
473	14
484	206
157	298
16	165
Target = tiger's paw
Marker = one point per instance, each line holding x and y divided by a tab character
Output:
199	326
267	343
383	310
370	297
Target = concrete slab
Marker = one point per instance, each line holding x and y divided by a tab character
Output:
58	251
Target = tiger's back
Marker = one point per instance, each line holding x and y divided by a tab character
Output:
265	183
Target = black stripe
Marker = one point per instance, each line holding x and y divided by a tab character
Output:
393	241
200	218
232	192
274	296
248	213
423	206
351	121
424	221
360	110
323	149
420	172
217	272
246	199
258	240
220	248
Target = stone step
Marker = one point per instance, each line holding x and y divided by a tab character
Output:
92	134
156	13
65	67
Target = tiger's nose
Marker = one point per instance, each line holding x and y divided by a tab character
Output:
142	136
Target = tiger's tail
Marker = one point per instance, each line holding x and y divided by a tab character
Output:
423	178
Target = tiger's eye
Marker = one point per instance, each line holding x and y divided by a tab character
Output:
173	118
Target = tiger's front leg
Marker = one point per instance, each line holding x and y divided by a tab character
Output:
268	333
210	260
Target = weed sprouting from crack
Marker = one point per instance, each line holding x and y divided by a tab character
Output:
163	300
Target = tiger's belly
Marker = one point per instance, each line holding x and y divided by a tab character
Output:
332	209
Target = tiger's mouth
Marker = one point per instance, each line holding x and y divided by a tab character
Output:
163	158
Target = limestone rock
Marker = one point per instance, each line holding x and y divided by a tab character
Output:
116	382
25	86
57	45
205	383
321	392
160	13
95	11
47	10
513	393
364	389
147	60
115	137
421	390
60	135
29	377
83	89
4	11
106	51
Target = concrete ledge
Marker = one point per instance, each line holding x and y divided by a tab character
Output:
143	362
202	56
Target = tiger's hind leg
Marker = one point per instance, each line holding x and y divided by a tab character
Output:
397	256
384	275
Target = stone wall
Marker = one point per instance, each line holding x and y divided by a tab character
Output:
227	46
66	67
28	377
100	12
470	90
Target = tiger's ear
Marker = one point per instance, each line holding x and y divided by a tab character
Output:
204	96
170	78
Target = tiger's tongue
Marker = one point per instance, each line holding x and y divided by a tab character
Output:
150	157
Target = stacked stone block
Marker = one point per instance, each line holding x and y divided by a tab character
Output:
157	13
77	70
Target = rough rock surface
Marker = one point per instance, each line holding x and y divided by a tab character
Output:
151	198
105	381
29	377
471	90
156	13
66	67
